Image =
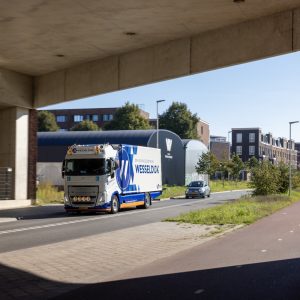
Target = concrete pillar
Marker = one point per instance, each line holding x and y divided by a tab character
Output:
14	137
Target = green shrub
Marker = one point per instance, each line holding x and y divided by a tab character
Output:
267	179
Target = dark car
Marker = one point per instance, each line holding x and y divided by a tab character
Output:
197	189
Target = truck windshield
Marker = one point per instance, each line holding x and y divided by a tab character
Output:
85	167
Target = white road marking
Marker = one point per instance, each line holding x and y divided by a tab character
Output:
279	240
291	231
264	250
2	220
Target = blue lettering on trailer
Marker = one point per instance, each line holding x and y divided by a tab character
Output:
149	169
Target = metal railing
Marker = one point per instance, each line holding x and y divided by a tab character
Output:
6	183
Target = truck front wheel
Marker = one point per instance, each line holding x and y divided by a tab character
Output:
114	205
147	201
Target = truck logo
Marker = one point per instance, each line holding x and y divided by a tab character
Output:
123	172
169	144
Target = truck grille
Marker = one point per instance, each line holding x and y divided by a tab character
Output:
85	195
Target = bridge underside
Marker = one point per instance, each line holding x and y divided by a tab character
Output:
53	52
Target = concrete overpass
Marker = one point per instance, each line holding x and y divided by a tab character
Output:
56	51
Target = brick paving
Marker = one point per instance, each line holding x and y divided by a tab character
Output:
49	270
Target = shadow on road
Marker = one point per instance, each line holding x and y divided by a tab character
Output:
36	212
269	280
18	284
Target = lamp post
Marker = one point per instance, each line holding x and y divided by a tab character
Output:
157	122
229	136
290	152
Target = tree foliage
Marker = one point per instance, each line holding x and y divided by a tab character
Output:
46	121
85	125
207	164
128	117
252	163
264	179
179	119
236	166
283	180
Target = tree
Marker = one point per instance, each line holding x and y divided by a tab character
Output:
179	119
283	178
264	179
85	125
207	164
46	121
236	166
252	163
224	167
128	117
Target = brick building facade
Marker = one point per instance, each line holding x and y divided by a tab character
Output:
67	118
248	142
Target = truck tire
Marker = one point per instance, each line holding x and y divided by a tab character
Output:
147	201
114	207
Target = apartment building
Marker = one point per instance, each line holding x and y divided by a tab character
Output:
248	142
220	147
67	118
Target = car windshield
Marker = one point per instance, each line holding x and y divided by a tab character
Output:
85	167
196	184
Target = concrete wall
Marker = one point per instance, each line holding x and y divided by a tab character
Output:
16	89
14	147
239	43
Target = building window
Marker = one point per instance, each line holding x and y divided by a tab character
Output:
88	117
239	150
107	118
239	137
95	118
251	150
251	137
61	119
78	118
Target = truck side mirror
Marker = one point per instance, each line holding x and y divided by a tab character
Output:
63	169
112	168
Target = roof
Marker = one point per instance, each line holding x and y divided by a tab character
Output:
134	137
192	141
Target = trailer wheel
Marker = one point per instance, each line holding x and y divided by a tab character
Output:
147	201
114	205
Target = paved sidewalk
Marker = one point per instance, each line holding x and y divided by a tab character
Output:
52	269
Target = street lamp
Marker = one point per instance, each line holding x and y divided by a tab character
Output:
290	152
229	136
157	122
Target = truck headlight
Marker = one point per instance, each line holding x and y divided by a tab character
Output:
66	199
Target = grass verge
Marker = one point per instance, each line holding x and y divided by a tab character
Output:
47	194
220	186
243	211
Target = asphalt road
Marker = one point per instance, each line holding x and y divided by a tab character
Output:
34	226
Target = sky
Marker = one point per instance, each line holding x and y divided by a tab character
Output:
264	93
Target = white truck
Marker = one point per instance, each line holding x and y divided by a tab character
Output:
109	178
